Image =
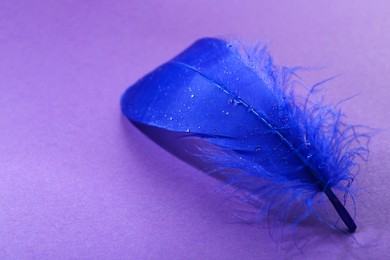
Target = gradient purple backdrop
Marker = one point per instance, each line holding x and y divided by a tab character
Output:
78	181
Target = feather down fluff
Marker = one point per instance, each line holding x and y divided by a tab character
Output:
262	137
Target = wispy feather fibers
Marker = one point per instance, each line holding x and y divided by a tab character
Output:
258	134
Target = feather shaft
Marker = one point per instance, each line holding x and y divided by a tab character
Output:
343	213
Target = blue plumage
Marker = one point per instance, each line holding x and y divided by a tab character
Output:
259	136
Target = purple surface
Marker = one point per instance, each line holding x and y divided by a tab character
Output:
78	181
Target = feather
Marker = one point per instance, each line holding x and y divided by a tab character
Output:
252	129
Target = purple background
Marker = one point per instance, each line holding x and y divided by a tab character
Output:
78	181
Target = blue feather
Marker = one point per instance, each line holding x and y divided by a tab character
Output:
256	133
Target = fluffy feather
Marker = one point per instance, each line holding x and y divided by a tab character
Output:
258	135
